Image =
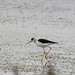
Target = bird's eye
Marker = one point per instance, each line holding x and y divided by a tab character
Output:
32	38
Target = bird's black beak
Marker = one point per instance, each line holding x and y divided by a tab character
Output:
29	42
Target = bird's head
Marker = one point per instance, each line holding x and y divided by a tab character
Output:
32	40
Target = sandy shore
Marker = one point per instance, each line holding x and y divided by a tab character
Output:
20	20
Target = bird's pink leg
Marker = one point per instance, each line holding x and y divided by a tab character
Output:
47	53
44	52
43	55
42	58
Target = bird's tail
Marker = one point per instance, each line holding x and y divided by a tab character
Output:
55	42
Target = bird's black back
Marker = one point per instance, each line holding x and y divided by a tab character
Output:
46	41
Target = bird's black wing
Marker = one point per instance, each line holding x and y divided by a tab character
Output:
46	41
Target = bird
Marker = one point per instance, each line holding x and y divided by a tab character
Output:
43	43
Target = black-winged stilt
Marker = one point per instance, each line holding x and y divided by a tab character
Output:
43	43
